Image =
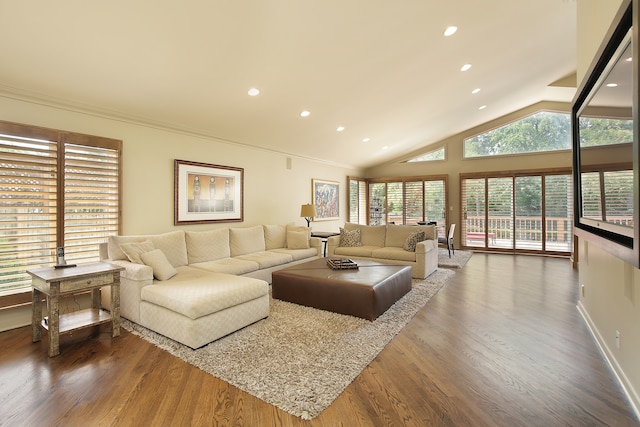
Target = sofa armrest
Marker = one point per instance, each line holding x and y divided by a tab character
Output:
332	244
316	242
426	258
133	278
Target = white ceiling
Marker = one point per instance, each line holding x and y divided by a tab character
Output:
380	68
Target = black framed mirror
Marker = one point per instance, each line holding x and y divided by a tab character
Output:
604	136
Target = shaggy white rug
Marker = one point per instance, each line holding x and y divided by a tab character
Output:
457	259
300	359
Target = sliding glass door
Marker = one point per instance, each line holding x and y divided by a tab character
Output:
522	213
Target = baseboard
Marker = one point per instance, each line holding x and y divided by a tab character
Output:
627	387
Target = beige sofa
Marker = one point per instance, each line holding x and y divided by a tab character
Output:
386	243
197	286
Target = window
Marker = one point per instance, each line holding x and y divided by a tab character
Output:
377	203
57	189
406	201
431	156
529	212
357	200
607	195
543	131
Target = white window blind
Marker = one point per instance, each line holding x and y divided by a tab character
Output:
28	209
357	201
56	189
529	213
414	202
91	199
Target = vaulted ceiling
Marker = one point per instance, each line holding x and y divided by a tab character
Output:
381	69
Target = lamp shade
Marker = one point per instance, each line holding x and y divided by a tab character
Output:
308	211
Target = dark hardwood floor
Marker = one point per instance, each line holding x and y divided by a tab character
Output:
502	344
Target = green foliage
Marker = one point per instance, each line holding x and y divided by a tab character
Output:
596	131
543	131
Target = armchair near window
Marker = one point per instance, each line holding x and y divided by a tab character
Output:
448	240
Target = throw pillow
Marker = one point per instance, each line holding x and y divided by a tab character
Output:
134	250
162	268
412	241
297	239
349	238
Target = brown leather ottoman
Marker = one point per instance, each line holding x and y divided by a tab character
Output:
367	292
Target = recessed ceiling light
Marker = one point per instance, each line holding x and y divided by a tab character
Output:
253	92
475	91
305	113
482	107
450	30
340	128
465	67
366	140
612	84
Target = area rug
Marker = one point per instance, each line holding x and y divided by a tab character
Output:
457	260
300	359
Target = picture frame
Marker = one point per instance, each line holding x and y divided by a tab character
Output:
207	193
326	198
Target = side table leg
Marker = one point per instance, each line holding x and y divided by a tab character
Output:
115	308
54	326
96	299
36	315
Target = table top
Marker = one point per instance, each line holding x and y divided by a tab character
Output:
324	234
51	274
369	272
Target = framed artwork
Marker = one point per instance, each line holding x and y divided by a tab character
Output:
207	193
326	198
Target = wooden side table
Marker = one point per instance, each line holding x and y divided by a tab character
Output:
55	283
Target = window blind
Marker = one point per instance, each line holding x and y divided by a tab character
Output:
91	199
56	189
28	208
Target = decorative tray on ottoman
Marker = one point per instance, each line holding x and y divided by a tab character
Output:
341	264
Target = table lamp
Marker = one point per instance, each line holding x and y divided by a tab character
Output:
308	211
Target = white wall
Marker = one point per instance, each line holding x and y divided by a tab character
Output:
273	193
611	286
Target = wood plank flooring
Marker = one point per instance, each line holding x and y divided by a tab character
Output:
502	344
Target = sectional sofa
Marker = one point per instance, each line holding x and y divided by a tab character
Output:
197	286
416	246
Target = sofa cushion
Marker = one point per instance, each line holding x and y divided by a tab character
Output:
298	254
362	251
370	235
397	235
393	253
297	239
228	265
349	238
173	245
292	227
114	242
207	245
247	240
412	241
162	268
275	236
133	250
267	259
201	296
